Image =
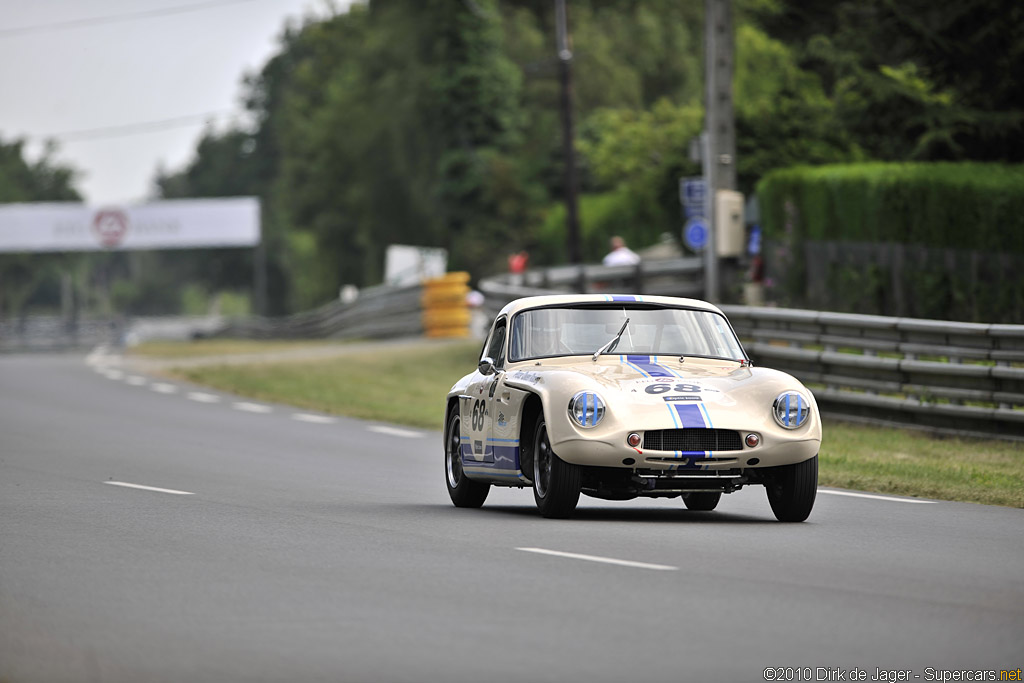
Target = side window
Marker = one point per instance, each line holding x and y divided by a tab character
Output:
496	345
497	330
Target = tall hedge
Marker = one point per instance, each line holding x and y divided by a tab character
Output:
939	240
946	205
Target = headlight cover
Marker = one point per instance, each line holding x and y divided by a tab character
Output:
587	408
791	409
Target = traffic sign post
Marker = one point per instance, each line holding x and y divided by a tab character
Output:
695	233
693	195
692	191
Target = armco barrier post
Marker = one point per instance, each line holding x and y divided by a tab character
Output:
445	311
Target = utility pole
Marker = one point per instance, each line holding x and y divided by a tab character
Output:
572	222
719	139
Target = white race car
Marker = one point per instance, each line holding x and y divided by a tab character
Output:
624	396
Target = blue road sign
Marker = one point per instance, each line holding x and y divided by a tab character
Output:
692	191
695	233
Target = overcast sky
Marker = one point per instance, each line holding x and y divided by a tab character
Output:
95	68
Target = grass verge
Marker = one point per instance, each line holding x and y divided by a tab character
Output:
912	463
396	386
409	387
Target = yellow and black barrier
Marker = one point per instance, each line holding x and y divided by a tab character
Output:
445	311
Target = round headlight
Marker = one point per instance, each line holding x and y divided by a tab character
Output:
791	410
587	408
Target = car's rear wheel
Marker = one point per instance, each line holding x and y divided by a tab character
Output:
464	492
556	483
702	501
791	489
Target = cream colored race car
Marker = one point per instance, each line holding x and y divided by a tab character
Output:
624	396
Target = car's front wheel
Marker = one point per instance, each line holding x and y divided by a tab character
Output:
464	492
702	501
556	483
791	489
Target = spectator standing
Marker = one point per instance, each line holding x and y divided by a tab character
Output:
620	255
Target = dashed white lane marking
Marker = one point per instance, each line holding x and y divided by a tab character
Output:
113	374
148	488
135	380
604	560
868	495
394	431
252	407
315	419
163	388
203	398
97	355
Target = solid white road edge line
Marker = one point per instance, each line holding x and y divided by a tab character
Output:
203	398
315	419
394	431
148	488
605	560
868	495
252	407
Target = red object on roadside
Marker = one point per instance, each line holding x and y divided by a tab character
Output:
517	262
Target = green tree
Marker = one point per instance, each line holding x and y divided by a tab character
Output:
914	79
33	279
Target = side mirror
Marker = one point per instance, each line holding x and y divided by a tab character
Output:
486	366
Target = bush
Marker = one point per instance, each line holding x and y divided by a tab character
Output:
946	205
935	240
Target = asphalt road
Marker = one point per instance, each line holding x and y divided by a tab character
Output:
311	549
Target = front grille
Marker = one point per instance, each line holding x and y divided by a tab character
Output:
692	439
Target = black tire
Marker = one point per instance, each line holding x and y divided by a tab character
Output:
791	490
464	492
703	501
556	483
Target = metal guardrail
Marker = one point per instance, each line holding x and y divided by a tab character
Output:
378	312
939	375
56	333
944	376
947	377
383	311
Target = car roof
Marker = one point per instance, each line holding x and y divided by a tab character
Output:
514	307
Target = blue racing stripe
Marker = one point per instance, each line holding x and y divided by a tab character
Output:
692	416
654	359
689	415
707	417
648	367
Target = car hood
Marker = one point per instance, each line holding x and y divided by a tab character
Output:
655	379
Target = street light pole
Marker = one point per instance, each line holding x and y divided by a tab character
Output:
572	223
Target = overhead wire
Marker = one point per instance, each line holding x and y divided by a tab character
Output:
115	18
136	128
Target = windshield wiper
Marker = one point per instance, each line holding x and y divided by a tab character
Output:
611	342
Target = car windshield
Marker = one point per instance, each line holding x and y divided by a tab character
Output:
652	330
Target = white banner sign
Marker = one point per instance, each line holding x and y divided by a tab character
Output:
171	224
406	265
